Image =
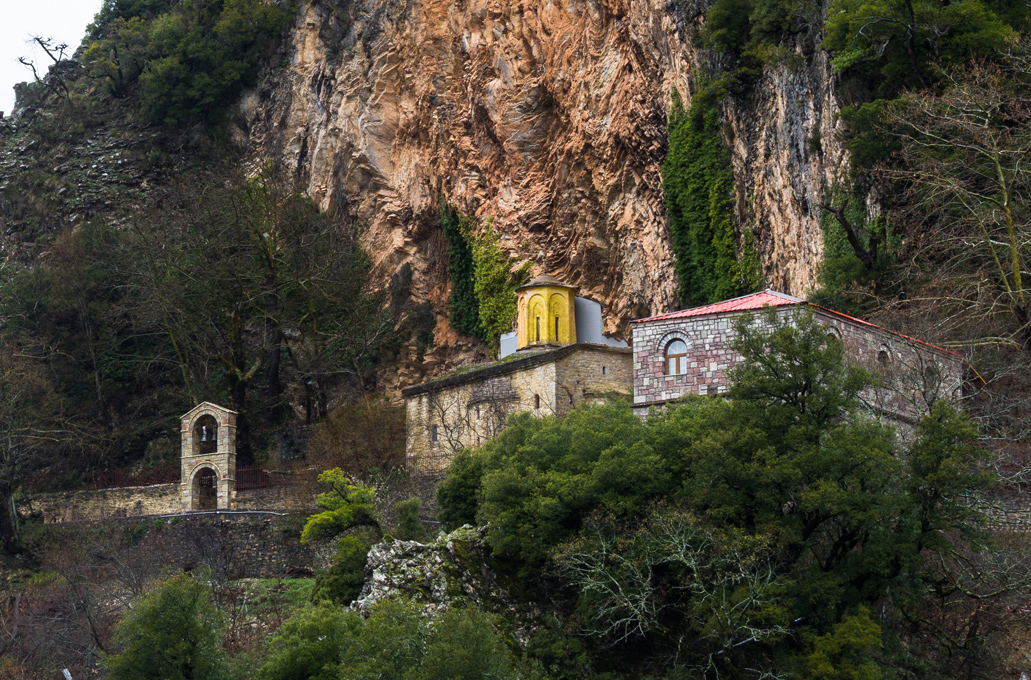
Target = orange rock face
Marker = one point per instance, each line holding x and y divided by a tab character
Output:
547	117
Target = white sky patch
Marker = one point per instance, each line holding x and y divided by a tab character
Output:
63	20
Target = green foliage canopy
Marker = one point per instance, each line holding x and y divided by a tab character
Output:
397	642
191	58
347	505
172	633
738	531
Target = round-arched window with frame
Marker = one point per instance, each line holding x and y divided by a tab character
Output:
676	357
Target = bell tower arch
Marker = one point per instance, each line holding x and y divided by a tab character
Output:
208	458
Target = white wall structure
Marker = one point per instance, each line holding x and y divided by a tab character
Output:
589	324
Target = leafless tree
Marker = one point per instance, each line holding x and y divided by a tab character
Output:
52	81
31	425
964	203
724	590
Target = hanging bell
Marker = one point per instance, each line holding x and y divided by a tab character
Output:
204	433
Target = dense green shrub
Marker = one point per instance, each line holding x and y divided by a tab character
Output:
202	55
698	181
751	531
310	644
409	526
397	642
342	582
172	633
191	58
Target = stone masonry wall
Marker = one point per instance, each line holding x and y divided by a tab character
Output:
470	413
80	506
591	375
141	501
914	373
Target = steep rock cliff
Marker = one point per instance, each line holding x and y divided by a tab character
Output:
548	117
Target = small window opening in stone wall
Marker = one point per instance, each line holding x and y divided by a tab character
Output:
434	435
536	401
711	390
676	358
604	370
556	329
205	435
883	359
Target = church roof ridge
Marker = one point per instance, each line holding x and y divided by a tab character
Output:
763	298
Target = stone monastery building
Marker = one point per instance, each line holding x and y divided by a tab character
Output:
688	352
560	359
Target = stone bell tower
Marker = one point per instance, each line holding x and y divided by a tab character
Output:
547	313
208	480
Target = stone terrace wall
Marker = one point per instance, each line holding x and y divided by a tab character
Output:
234	545
80	506
157	499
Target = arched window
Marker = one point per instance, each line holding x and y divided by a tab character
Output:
536	401
676	358
883	359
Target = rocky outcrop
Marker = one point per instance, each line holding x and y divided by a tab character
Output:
547	117
453	567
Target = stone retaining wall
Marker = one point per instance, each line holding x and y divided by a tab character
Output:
142	501
88	506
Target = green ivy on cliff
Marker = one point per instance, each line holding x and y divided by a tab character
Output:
483	281
698	181
463	307
495	281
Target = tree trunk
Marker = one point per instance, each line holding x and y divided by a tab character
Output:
275	385
238	399
9	522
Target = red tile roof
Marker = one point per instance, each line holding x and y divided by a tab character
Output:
752	301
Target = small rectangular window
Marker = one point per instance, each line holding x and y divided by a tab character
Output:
604	370
536	401
556	329
433	434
